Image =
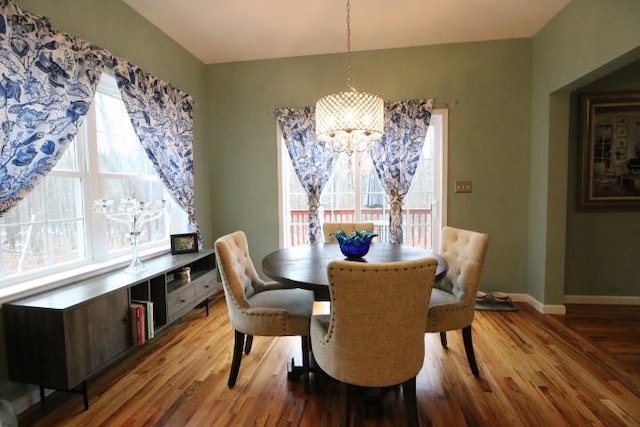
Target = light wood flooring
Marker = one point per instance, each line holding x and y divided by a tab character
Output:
536	370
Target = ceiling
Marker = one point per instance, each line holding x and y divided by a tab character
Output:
217	31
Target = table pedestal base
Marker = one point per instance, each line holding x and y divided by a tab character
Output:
369	398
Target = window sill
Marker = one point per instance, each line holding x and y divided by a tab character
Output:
42	284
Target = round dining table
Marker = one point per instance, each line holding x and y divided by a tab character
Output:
305	266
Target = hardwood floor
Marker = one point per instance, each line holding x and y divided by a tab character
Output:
614	329
535	370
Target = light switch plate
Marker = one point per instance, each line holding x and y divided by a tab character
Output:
463	187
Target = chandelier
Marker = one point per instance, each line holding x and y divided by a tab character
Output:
349	121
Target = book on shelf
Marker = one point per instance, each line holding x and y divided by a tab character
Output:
138	321
149	329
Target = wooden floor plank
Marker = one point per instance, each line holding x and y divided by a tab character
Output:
535	370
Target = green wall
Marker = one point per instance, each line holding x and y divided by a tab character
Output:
587	40
488	135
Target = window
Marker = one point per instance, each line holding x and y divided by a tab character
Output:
354	194
54	229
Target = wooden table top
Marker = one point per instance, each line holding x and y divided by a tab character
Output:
306	266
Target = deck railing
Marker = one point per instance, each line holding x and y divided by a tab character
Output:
416	225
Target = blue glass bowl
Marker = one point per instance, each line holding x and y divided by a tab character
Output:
354	251
354	245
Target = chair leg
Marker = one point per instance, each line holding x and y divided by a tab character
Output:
346	407
237	358
468	348
248	344
305	361
410	402
443	339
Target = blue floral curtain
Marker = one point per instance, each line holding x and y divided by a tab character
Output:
312	160
395	156
162	118
47	83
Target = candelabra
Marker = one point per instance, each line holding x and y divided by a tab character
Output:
135	214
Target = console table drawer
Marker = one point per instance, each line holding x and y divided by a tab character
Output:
205	285
181	300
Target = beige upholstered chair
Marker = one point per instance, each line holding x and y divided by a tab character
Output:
348	227
374	336
453	298
257	307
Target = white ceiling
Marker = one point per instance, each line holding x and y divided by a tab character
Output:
218	31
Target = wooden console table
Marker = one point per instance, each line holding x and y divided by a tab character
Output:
59	338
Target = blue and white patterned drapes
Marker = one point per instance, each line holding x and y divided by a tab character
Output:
395	156
162	118
47	83
312	160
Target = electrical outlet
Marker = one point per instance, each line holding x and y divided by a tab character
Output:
463	187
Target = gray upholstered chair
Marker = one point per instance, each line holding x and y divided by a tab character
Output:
257	307
348	227
374	336
453	298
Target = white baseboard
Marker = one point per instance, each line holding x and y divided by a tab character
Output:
574	299
537	305
546	308
601	299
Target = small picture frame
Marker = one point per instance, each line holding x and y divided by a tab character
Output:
184	243
622	131
623	120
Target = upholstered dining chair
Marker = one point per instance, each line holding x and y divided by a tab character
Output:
374	336
257	307
329	228
453	298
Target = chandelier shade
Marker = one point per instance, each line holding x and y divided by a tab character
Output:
356	117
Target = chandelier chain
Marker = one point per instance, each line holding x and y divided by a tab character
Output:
349	45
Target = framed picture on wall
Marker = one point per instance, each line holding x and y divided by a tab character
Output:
609	176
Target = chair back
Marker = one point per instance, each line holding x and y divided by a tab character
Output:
240	279
375	335
465	252
329	228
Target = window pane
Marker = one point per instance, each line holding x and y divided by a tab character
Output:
69	160
338	197
119	149
29	209
65	241
63	198
22	248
